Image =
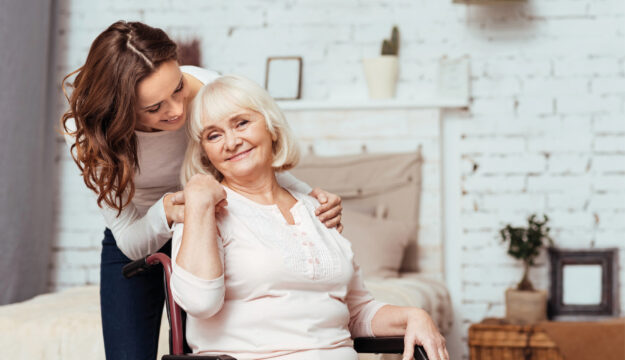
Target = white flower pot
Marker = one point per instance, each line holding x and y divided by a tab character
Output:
381	74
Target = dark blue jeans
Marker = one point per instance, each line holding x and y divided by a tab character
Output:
131	309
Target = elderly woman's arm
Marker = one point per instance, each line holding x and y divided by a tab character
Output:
197	280
369	317
415	325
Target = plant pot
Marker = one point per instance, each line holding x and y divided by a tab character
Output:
526	307
381	74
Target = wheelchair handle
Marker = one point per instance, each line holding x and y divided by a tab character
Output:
138	266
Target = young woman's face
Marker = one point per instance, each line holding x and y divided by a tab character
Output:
238	145
162	99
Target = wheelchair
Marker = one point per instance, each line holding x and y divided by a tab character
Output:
179	349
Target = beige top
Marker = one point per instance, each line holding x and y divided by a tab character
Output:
288	291
141	228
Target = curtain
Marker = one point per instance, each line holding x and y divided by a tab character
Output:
27	136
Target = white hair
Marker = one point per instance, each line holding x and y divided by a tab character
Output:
221	98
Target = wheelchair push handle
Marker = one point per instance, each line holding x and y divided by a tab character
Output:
138	266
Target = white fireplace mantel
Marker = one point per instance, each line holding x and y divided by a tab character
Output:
312	105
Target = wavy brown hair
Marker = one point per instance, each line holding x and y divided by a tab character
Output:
102	106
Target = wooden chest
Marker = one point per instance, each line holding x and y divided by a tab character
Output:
491	340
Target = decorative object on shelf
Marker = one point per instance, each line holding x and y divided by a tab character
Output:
453	79
189	52
382	72
584	284
525	304
283	77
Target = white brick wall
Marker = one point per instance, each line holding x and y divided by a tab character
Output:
545	133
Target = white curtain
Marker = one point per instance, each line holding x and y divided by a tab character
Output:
27	171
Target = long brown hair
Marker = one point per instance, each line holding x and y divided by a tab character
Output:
103	102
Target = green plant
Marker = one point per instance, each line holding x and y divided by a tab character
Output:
525	244
391	47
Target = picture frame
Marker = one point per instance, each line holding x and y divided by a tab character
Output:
584	283
283	77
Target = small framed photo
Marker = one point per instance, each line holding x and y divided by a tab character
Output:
283	77
584	284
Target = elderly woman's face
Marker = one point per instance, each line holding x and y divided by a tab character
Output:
238	145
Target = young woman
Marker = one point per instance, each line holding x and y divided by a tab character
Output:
125	128
263	278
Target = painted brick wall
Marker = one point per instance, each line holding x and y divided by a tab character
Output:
545	133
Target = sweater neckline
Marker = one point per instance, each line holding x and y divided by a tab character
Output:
229	191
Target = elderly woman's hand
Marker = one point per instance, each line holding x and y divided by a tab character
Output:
201	192
421	330
330	210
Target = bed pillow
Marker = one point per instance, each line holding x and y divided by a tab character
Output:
378	244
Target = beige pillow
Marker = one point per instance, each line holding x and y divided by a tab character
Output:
369	183
378	244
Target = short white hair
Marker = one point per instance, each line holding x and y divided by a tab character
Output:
221	98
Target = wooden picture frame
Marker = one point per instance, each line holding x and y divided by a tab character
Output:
283	77
594	270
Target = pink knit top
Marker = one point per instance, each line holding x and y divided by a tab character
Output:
288	291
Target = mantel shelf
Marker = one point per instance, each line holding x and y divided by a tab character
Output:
367	104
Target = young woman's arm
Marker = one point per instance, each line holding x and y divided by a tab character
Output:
136	236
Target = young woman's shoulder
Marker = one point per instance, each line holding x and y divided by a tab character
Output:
203	75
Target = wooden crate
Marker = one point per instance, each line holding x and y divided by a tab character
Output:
494	340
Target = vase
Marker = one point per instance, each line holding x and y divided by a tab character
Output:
381	74
526	307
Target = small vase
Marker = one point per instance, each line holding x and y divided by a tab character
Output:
526	307
381	74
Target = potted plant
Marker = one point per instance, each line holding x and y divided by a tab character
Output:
381	72
526	304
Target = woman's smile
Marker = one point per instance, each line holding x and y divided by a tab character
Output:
241	155
173	120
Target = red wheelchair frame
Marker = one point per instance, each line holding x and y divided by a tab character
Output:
381	345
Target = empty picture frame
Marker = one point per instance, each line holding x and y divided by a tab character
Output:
584	283
283	77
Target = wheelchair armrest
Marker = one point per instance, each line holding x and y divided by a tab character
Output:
386	345
197	357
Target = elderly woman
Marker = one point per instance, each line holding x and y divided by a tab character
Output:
258	274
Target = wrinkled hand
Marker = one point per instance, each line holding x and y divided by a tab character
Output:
421	330
329	213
